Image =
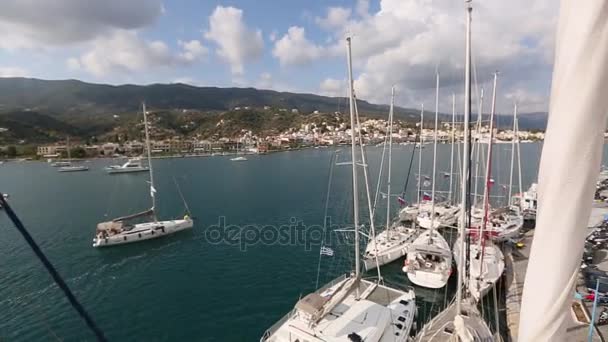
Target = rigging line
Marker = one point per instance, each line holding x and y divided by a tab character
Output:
409	169
380	176
52	271
332	163
179	191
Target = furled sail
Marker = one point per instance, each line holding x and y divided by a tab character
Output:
569	167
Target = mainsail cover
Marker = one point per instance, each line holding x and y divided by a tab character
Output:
569	168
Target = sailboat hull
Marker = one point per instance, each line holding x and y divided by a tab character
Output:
144	231
429	261
387	247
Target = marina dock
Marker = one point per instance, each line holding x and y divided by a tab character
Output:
516	261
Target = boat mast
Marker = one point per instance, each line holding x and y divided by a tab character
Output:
152	189
390	161
452	148
486	189
69	154
509	200
420	153
478	145
518	156
465	160
434	157
354	159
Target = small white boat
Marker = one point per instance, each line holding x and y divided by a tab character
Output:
61	164
132	165
445	216
429	260
73	168
238	159
388	246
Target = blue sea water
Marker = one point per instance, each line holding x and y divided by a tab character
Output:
190	286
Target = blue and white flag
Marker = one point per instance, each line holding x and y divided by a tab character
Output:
327	251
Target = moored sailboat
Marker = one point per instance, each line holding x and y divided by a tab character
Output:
349	308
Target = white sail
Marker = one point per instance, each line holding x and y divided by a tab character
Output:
569	168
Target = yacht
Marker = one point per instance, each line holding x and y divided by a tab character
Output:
67	166
132	165
129	229
349	308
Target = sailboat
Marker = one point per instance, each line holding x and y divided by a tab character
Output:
68	167
438	214
392	243
429	259
349	308
461	320
410	212
126	229
486	260
238	157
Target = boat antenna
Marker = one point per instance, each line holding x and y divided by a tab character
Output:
52	270
152	189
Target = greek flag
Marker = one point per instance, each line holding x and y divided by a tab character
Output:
327	251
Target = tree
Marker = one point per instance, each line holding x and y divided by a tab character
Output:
11	151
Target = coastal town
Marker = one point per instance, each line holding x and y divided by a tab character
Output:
307	135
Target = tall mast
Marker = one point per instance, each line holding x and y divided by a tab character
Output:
465	160
518	155
478	149
486	189
509	199
420	153
452	148
390	161
434	157
152	189
353	141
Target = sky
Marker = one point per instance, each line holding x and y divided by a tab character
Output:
295	45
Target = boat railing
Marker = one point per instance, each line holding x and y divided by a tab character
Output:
276	326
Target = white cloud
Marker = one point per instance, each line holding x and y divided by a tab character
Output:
265	81
336	18
333	87
404	42
236	42
125	51
295	49
273	35
36	24
12	72
192	50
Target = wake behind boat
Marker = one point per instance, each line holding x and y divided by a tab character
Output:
124	230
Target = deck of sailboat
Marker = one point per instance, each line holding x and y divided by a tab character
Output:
441	328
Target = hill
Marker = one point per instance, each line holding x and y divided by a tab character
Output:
44	110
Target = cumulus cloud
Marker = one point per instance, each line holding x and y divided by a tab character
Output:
236	43
295	49
125	51
34	24
333	87
265	81
336	17
12	72
404	42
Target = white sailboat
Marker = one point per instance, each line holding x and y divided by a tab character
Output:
486	260
125	229
392	243
570	161
132	165
238	157
460	321
429	259
410	212
349	308
68	167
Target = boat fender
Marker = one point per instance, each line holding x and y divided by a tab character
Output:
139	235
125	238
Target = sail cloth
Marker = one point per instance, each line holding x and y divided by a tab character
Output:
569	168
